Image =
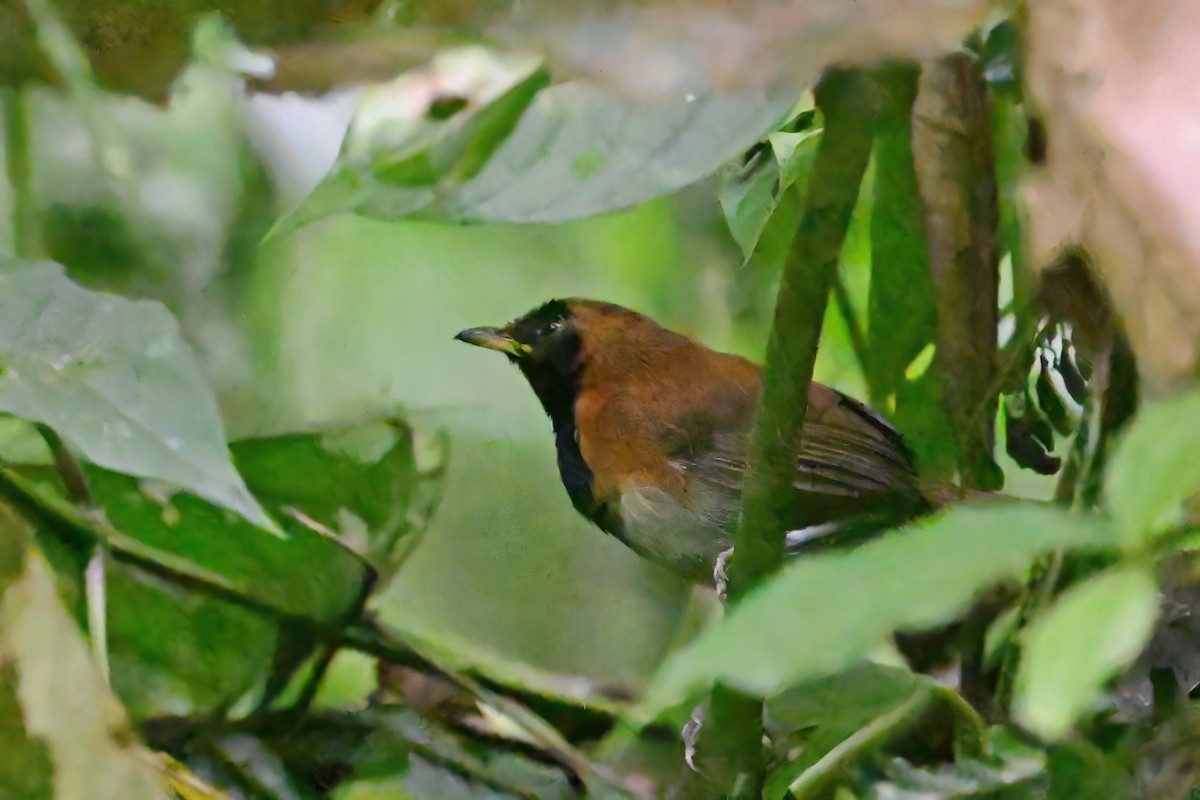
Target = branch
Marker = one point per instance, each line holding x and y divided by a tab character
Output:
850	104
952	152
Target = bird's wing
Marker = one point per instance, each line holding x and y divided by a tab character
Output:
851	462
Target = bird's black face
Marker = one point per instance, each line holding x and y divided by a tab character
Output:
545	345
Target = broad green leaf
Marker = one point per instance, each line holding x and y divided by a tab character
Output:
302	575
114	378
422	135
176	651
62	701
821	614
374	485
751	194
575	151
1093	630
1155	468
579	151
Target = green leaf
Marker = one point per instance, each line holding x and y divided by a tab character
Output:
114	377
901	311
838	717
751	194
1081	771
216	651
420	136
51	690
821	614
518	152
1154	468
374	485
1093	630
304	575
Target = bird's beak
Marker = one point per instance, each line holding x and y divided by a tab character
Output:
493	339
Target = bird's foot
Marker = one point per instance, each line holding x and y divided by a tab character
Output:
721	574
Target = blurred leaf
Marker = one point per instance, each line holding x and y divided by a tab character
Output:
913	579
1093	630
751	194
1000	58
143	53
115	379
389	741
1081	771
579	152
373	485
61	699
417	138
848	712
964	778
1120	186
575	151
657	50
1154	468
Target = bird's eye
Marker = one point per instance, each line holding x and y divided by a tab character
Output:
552	327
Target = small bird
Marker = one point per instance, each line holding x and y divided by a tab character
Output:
652	430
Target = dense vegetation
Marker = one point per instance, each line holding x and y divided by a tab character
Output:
268	533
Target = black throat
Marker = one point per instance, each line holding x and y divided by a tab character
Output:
554	375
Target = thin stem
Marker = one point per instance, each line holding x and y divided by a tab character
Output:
18	161
850	103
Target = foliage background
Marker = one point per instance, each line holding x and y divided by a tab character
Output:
137	158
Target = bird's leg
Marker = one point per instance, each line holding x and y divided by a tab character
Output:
721	574
691	736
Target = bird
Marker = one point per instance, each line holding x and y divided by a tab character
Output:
652	430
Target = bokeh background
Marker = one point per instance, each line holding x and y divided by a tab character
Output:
349	318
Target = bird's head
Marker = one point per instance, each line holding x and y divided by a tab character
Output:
560	342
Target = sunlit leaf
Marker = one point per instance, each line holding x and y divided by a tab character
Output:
60	698
1154	468
821	614
115	379
1093	630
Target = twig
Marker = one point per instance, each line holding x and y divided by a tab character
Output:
370	637
850	103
